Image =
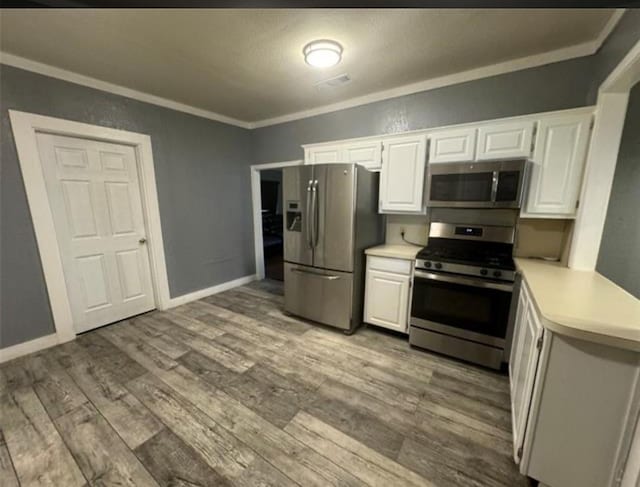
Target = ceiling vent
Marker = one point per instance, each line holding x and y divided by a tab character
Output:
334	82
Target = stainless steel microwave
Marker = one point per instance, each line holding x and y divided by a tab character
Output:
487	184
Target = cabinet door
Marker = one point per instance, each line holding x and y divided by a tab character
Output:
323	154
504	141
558	162
367	154
402	175
386	301
453	145
523	374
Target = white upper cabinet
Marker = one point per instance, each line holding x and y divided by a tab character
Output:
504	141
323	154
456	145
367	153
402	175
558	162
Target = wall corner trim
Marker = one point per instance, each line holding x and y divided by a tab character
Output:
27	347
203	293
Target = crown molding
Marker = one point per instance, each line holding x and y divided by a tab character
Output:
609	26
79	79
564	54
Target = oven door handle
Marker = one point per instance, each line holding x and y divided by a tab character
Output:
464	280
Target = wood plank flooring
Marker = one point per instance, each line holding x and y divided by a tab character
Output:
229	390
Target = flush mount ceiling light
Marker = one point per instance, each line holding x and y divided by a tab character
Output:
322	54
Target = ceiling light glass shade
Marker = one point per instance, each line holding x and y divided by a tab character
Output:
322	54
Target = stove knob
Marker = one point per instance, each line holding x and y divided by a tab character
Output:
427	264
497	273
438	265
484	272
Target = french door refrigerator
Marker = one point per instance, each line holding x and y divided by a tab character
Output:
331	216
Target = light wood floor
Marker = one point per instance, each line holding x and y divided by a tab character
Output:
230	391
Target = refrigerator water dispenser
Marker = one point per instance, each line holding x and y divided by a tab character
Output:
294	216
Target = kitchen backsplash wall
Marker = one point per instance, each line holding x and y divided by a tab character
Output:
415	227
535	237
543	238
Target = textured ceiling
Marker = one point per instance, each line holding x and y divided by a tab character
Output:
247	64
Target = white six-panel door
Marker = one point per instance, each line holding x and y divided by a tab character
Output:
94	194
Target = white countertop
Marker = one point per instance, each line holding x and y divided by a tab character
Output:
583	304
395	251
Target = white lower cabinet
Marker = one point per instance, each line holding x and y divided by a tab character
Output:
523	363
387	293
574	403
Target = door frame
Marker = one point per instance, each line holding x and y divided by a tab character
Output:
256	202
25	126
602	157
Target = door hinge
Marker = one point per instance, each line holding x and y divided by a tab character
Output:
577	204
539	343
520	452
619	477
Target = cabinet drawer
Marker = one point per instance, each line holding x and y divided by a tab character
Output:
388	264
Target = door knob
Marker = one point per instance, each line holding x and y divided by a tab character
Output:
142	240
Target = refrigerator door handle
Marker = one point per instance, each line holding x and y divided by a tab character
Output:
308	215
314	204
316	274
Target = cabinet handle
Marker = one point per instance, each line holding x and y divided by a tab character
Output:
316	274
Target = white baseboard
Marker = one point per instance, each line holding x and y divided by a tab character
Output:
25	348
203	293
47	341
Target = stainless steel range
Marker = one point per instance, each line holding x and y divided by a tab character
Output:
462	290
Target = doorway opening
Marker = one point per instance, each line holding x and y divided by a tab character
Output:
271	212
266	192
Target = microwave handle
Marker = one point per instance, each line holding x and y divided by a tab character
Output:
494	185
465	281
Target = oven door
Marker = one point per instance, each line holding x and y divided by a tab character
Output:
464	307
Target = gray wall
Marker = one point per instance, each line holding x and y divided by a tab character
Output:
203	182
551	87
557	86
617	45
619	257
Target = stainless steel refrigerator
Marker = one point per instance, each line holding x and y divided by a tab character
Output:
331	216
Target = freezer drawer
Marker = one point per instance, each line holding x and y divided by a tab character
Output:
319	295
